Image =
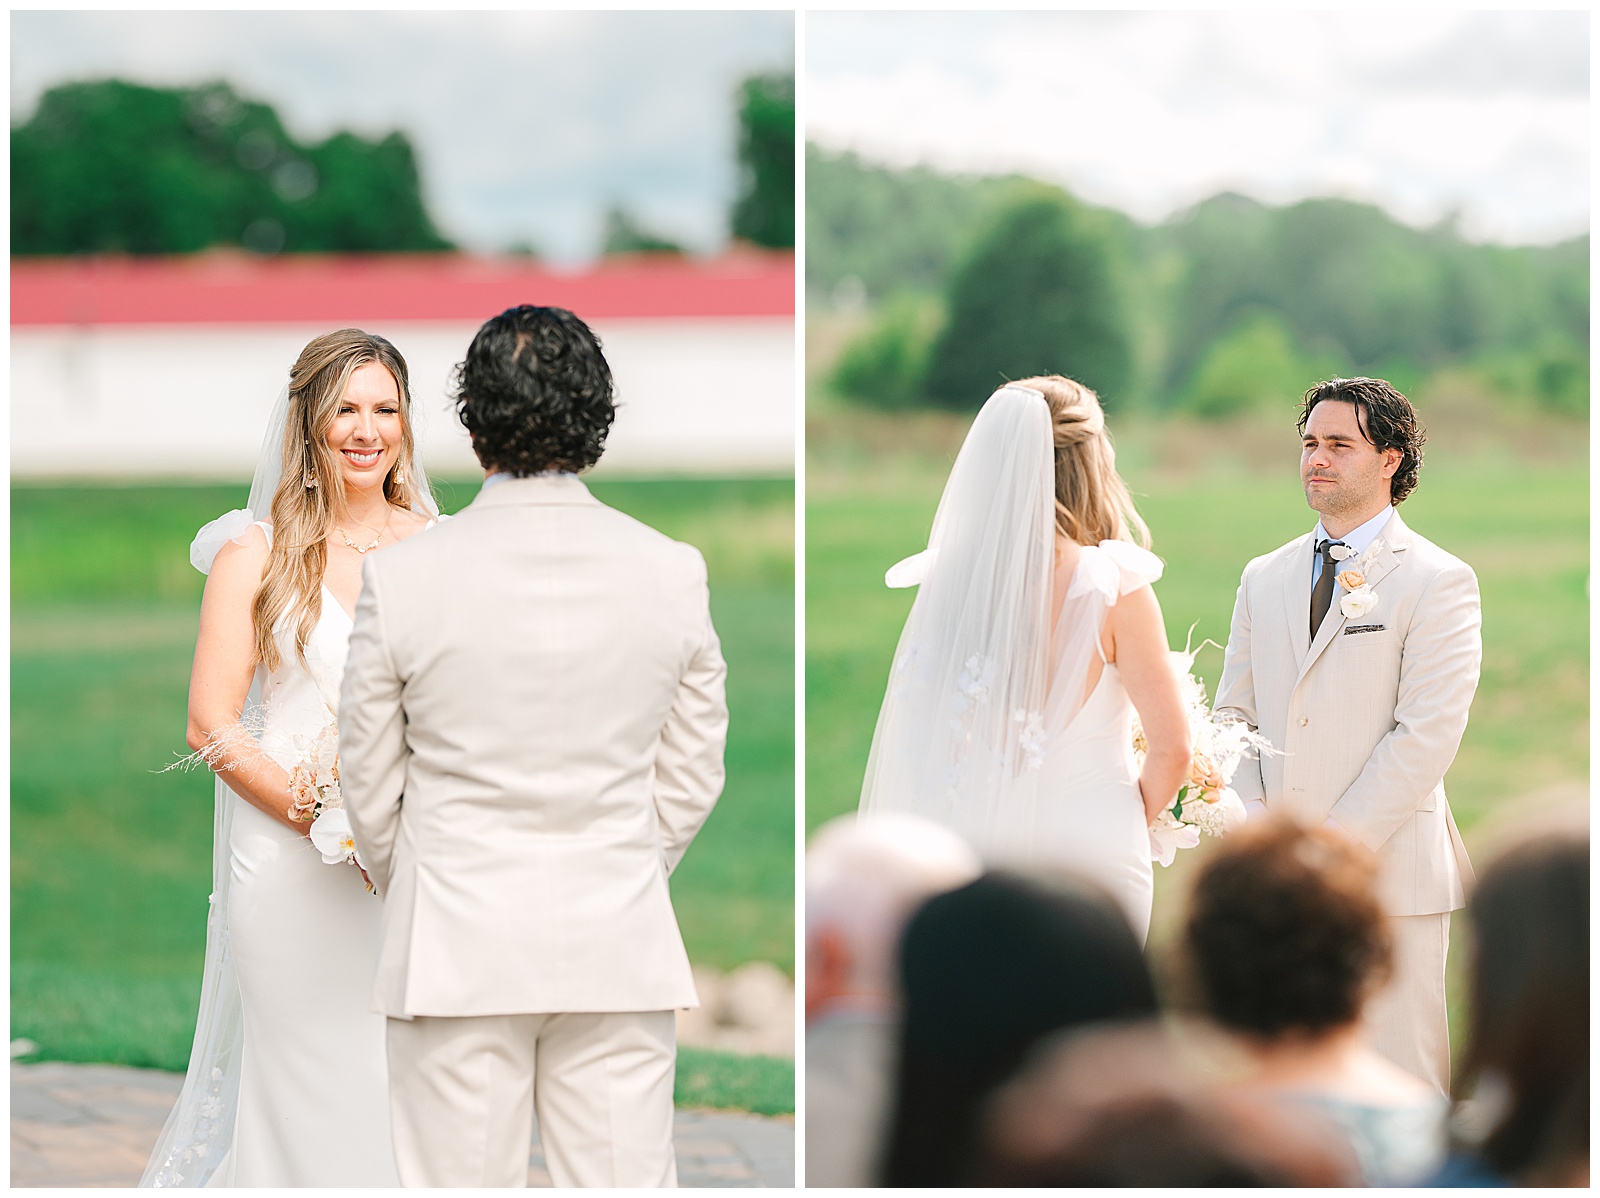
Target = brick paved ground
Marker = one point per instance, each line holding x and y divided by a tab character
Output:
93	1125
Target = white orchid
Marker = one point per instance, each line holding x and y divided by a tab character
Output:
333	838
1167	836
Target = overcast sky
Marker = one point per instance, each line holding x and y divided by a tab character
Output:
527	125
1421	112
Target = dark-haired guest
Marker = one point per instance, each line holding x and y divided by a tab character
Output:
1528	1052
1287	943
986	972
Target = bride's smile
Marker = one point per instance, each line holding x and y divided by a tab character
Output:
366	431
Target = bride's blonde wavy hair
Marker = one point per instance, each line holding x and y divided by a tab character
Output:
291	581
1092	501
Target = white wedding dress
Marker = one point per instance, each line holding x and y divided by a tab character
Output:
313	1086
1088	817
989	724
297	1093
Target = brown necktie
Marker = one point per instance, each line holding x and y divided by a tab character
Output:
1322	593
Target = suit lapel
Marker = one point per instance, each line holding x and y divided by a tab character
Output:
1295	582
1391	542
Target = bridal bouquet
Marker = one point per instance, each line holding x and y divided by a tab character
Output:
314	796
1206	802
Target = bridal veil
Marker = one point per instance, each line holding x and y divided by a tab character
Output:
985	676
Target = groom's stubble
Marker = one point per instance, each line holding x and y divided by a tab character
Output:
1345	477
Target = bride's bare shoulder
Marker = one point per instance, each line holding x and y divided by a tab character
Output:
238	567
245	553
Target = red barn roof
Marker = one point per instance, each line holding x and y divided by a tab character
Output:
234	288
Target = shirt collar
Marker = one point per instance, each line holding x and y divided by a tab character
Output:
500	476
1361	538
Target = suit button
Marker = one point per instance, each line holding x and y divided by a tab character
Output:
1304	721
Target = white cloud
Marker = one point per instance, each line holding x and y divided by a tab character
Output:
527	124
1423	112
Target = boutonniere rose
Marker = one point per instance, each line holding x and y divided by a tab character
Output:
1339	552
1358	602
1353	578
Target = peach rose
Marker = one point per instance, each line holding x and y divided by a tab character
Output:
302	794
1203	773
1351	580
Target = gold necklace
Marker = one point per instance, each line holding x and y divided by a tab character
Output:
368	548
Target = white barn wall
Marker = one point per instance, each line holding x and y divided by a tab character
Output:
712	395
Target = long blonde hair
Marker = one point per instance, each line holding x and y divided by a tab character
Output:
1092	501
311	492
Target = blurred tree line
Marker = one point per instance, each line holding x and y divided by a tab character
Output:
764	211
113	167
1225	308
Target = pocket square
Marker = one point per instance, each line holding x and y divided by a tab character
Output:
1355	628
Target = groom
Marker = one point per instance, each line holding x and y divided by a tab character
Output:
1355	650
532	729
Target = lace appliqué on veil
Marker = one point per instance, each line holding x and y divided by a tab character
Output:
197	1151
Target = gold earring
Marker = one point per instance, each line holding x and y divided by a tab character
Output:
311	481
399	477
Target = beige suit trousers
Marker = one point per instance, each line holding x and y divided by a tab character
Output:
463	1092
1406	1020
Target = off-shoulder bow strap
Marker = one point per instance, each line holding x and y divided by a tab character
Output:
910	571
1114	568
208	542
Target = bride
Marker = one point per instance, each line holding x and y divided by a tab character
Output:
287	1084
1034	638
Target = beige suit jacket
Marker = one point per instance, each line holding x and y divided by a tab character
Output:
531	733
1368	716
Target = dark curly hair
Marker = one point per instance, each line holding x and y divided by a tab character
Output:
1285	932
1386	418
535	392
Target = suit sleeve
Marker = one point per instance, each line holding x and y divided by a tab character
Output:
1439	664
373	753
689	756
1236	693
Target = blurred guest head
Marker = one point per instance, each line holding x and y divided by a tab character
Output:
535	392
1285	934
1128	1106
986	972
1092	502
1287	942
864	877
1528	1047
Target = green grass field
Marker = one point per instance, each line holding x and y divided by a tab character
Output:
1523	526
110	860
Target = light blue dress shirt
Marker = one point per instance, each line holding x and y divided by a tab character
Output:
1360	540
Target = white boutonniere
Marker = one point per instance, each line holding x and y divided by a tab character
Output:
1360	597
